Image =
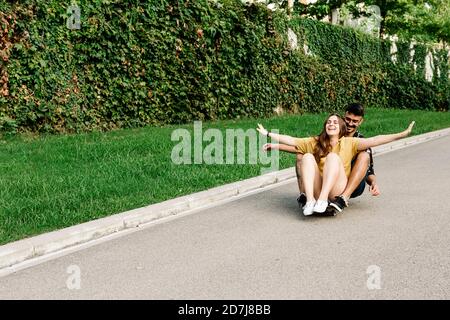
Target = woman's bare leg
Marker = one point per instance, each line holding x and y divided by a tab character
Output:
311	179
334	179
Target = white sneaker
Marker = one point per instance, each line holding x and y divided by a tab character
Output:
321	206
309	207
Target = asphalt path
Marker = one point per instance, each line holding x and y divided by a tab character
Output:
395	246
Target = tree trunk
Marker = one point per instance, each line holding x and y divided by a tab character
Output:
383	11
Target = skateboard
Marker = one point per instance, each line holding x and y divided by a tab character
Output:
330	212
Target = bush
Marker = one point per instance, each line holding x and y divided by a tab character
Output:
136	63
363	69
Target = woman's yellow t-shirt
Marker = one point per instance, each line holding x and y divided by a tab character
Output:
346	148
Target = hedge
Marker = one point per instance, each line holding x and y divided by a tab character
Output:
136	63
366	72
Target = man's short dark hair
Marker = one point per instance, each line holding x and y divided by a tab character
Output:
356	109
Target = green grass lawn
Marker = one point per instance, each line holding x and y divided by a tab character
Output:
51	182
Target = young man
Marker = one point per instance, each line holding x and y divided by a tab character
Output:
362	165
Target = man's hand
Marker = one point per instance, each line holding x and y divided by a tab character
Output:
270	146
410	127
374	190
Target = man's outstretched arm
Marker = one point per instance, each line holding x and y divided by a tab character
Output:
364	144
280	146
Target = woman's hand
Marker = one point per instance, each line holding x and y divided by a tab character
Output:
262	130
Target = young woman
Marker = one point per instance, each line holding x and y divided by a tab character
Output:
326	163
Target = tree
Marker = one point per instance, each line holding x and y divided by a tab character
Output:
423	20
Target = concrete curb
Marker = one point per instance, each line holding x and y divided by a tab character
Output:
22	250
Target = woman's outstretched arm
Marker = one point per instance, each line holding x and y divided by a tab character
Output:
364	144
277	137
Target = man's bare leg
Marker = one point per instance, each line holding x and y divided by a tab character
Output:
297	171
358	173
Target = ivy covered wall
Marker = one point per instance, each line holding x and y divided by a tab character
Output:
134	63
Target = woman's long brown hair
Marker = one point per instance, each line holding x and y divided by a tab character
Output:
323	146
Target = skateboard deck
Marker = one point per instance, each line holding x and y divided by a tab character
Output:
330	212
